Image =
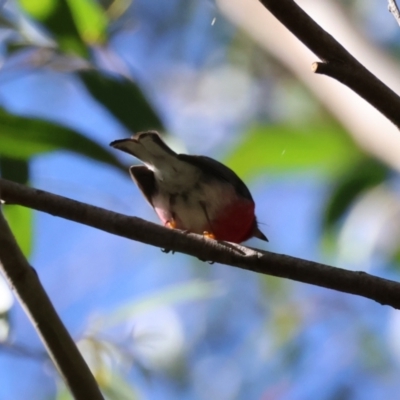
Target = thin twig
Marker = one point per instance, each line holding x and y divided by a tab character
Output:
359	283
394	9
25	283
337	62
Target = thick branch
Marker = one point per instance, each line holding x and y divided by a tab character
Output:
60	346
381	290
337	62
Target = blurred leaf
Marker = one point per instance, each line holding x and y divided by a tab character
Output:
22	138
90	19
39	9
63	392
394	261
119	389
188	291
14	169
56	16
122	98
6	303
323	146
5	326
105	358
19	218
362	176
284	324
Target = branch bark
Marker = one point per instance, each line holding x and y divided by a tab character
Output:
394	9
383	291
337	62
25	283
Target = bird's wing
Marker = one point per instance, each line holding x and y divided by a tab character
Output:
144	179
215	169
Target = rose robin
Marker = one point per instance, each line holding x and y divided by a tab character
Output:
192	193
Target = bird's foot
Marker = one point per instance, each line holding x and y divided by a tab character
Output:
209	235
166	251
171	224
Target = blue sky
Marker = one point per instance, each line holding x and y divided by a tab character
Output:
254	337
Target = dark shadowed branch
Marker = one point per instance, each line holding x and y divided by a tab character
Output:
26	285
337	62
359	283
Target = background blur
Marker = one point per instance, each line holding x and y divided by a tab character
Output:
221	78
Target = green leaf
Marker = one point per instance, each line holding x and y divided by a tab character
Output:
38	9
322	146
14	169
394	261
21	138
123	99
56	16
90	20
19	218
362	176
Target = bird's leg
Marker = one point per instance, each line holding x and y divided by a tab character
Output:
171	224
207	234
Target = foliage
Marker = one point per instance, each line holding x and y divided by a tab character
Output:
258	333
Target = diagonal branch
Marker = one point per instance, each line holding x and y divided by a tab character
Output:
383	291
337	62
33	298
394	9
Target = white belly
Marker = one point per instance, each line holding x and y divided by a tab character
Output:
188	211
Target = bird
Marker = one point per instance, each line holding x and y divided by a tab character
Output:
191	193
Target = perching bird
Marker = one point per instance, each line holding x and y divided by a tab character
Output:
192	193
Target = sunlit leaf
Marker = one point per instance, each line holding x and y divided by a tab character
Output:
56	16
21	138
90	20
123	99
39	9
19	218
362	176
323	147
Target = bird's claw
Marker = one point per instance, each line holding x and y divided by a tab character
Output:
208	235
171	224
166	251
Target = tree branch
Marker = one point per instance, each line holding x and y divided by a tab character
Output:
383	291
337	62
25	283
394	9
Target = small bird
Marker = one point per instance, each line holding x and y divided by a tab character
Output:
192	193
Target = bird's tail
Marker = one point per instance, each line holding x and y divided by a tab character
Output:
147	147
